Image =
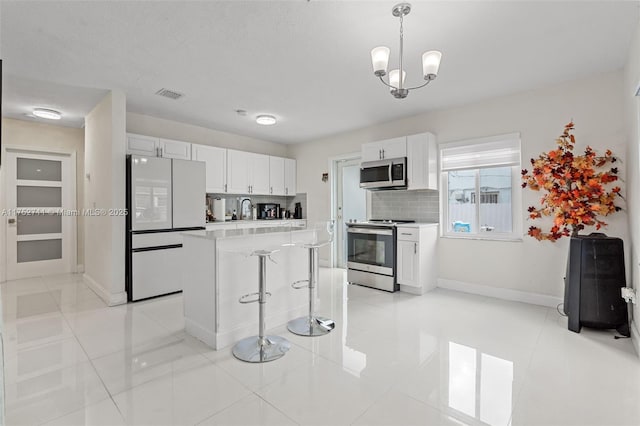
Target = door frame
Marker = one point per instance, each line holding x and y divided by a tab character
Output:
333	183
73	256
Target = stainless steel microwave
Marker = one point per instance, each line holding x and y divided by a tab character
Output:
384	174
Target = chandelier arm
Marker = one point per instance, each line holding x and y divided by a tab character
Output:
385	83
422	85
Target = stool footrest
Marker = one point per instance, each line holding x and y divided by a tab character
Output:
256	296
297	284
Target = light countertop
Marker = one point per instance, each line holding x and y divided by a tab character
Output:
417	224
239	233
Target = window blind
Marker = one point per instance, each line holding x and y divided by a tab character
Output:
487	152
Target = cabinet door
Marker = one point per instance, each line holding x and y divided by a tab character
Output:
142	145
408	263
237	172
394	148
259	174
216	166
175	149
290	187
372	151
276	176
422	163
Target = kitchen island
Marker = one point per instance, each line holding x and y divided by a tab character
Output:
219	269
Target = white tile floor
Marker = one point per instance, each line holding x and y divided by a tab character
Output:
393	359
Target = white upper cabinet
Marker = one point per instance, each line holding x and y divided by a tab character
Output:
290	187
175	149
216	166
385	149
238	172
277	176
156	147
142	145
259	174
247	173
422	162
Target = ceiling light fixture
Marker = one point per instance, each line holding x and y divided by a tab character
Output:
380	60
266	120
49	114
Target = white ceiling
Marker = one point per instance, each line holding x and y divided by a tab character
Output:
307	63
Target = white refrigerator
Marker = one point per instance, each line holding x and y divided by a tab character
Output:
164	198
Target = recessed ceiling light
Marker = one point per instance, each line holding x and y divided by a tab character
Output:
266	120
49	114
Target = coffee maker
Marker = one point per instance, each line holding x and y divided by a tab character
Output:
297	212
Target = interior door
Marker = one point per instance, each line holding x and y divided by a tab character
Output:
351	204
41	220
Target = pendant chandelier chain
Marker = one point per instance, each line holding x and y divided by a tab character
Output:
401	48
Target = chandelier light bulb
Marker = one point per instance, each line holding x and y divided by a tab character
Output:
394	78
380	60
430	64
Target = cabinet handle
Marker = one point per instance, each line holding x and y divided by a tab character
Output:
405	233
380	154
271	190
225	187
383	154
286	191
415	248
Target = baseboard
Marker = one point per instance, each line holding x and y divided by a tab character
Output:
501	293
111	299
79	269
324	263
635	337
200	333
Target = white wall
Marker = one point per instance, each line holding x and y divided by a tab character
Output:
594	103
632	116
29	134
105	145
168	129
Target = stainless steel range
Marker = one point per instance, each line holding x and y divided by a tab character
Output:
371	253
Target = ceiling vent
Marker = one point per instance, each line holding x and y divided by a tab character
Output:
169	94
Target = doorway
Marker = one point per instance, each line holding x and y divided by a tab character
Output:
40	213
350	203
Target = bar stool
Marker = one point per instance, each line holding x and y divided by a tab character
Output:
312	325
260	348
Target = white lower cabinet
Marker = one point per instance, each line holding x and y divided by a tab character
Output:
416	262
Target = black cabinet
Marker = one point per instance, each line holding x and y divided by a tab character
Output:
595	274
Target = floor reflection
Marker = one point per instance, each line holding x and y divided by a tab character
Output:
480	385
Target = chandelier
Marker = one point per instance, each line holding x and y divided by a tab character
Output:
380	61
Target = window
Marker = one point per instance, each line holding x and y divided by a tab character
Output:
489	167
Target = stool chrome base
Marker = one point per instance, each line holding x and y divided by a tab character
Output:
250	349
311	326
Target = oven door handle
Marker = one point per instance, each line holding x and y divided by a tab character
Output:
353	230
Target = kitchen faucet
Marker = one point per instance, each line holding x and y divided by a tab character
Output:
242	215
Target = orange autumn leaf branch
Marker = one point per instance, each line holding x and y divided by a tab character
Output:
575	188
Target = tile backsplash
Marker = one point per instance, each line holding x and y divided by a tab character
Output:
421	205
287	202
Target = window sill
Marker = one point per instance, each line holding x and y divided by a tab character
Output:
509	238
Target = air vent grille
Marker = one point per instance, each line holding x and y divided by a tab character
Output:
171	94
